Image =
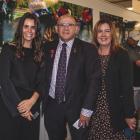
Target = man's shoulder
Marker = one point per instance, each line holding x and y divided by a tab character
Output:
50	45
86	48
84	43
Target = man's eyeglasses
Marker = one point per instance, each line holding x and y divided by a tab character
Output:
66	24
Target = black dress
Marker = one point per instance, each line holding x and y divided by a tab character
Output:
19	78
100	125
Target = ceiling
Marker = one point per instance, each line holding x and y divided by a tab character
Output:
124	3
133	5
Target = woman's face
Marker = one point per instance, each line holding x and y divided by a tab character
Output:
29	30
104	35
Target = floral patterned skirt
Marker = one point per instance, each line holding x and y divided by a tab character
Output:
100	125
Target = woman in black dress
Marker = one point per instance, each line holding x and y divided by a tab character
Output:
21	81
114	107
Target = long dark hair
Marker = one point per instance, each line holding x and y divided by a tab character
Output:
36	43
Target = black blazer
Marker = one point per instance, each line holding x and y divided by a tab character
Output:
83	75
119	81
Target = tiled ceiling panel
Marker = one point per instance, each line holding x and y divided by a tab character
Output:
124	3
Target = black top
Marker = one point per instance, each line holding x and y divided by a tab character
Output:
19	78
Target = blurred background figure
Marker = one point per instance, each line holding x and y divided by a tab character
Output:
49	34
134	53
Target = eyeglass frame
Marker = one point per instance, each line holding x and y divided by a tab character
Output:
67	24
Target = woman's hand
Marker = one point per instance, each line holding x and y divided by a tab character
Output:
25	106
131	122
27	115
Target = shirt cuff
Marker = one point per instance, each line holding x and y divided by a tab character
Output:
86	112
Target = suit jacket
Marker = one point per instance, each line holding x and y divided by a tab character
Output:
119	82
83	76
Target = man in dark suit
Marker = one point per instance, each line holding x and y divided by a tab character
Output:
72	80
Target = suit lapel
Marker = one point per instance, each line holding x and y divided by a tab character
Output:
72	61
51	51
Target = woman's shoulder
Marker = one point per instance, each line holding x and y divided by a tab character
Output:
8	48
122	55
121	52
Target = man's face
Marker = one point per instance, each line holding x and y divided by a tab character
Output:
131	42
67	28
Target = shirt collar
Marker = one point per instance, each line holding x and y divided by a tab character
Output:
69	43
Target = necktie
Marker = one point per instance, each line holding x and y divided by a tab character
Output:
61	76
